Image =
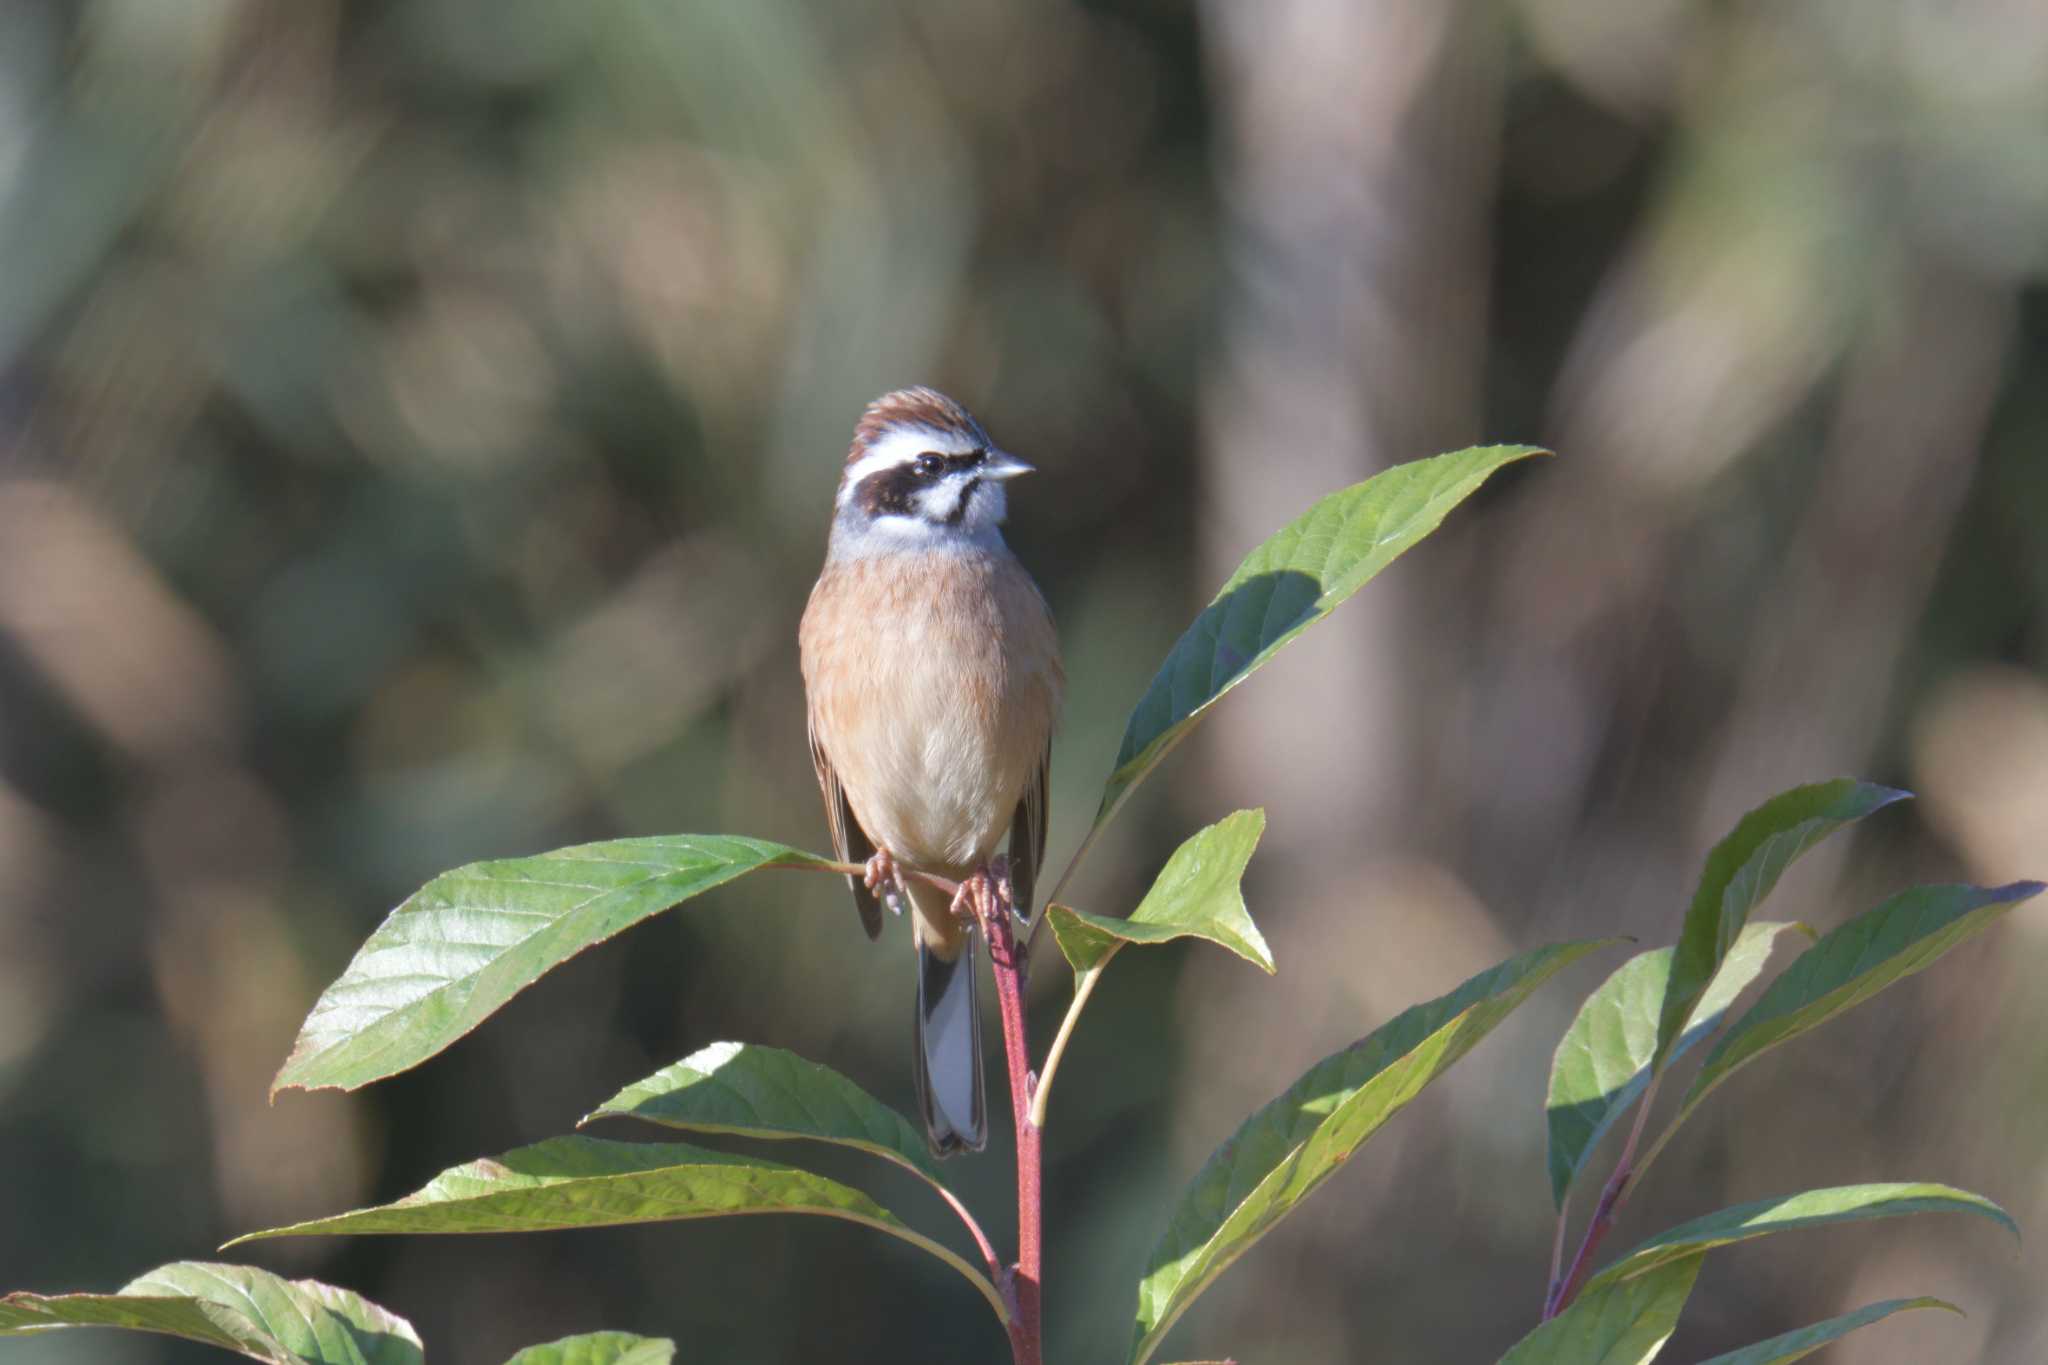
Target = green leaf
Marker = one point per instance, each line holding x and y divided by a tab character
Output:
1282	1152
582	1182
1812	1208
1852	963
1603	1063
1615	1324
1286	585
1796	1345
1740	872
236	1307
765	1092
599	1348
1196	895
471	939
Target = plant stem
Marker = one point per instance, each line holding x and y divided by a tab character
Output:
1612	1196
988	1252
1564	1213
1066	875
1084	986
950	887
1023	1284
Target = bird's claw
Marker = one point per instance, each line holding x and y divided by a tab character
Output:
999	871
967	898
884	880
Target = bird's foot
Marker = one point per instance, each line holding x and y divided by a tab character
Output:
883	878
969	899
999	879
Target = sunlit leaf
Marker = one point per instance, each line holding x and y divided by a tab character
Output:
236	1307
1196	895
1286	585
1907	933
599	1348
1289	1147
582	1182
765	1092
1811	1208
471	939
1626	1323
1603	1063
1780	1350
1740	872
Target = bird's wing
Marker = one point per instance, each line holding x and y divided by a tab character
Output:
849	841
1027	834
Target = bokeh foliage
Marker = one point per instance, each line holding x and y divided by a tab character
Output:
417	423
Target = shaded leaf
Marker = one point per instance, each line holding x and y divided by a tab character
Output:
1295	579
599	1348
471	939
1811	1208
1282	1152
1196	895
1615	1324
582	1182
1848	966
1796	1345
1740	872
1909	932
1602	1065
236	1307
765	1092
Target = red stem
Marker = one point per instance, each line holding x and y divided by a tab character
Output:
1563	1291
1022	1283
988	1252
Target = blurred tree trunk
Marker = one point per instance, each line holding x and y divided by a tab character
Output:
1905	439
1358	158
1359	154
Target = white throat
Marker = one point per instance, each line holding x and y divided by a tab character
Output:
855	536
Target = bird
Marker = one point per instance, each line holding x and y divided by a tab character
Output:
932	684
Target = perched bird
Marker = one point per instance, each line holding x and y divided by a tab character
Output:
932	677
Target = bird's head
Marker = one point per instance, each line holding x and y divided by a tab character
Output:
921	474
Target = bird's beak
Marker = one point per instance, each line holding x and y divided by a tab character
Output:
1003	466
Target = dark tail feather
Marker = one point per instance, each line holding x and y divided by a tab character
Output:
949	1087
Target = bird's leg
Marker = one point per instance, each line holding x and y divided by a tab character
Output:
1003	892
883	878
967	900
999	879
999	872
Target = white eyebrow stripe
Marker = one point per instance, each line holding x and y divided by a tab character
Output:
900	447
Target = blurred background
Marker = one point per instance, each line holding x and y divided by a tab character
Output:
418	425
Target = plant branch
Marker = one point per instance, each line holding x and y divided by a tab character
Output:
1657	1147
1612	1196
1564	1213
1084	986
1066	875
988	1251
950	887
1023	1285
1020	1284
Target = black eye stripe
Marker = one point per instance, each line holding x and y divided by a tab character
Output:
893	491
888	492
934	465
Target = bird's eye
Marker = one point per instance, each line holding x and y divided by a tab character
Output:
930	465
